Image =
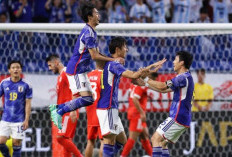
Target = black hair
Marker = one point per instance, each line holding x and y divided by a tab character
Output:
52	57
15	61
116	42
86	10
200	70
186	57
204	10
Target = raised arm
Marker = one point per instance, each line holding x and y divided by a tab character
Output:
157	86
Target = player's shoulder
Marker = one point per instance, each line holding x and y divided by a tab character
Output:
88	31
5	80
26	82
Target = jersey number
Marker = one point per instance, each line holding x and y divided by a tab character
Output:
94	87
13	96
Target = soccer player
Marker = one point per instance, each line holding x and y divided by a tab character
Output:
85	50
111	126
93	128
180	112
137	117
16	110
69	120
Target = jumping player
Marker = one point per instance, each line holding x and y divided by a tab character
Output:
85	50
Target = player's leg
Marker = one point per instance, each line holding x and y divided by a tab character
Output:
78	84
91	136
108	147
156	140
144	138
133	135
5	131
101	148
135	128
17	145
165	152
64	137
121	140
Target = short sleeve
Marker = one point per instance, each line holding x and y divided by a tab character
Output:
90	40
138	92
116	68
177	82
29	92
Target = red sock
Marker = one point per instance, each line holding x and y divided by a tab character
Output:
128	146
69	146
147	146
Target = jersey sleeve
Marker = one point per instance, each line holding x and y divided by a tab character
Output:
1	89
138	91
177	82
29	92
117	68
90	40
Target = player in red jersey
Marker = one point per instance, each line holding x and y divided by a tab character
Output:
137	118
69	120
93	127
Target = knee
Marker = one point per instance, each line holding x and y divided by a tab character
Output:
59	139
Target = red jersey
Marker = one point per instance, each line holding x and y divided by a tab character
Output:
95	80
140	93
64	94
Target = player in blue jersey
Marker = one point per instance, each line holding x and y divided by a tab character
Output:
16	110
111	126
180	112
85	51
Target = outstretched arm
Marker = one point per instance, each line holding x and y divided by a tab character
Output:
158	86
95	55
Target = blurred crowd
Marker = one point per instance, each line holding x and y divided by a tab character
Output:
118	11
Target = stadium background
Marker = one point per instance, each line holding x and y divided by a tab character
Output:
212	52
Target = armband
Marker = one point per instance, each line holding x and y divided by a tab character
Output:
169	83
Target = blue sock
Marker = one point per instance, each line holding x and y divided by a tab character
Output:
118	146
165	153
16	151
75	104
4	149
60	106
108	150
157	152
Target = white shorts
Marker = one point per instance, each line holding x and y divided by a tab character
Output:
170	130
110	122
15	130
79	83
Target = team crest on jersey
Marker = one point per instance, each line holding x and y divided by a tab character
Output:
20	88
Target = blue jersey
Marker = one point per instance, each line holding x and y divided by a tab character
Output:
181	11
220	12
158	12
109	85
81	58
15	95
183	87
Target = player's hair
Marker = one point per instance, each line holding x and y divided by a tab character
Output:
200	70
186	57
116	42
14	61
52	57
154	75
86	10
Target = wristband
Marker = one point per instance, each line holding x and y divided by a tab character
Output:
146	84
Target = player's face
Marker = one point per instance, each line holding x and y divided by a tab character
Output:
201	76
123	51
177	64
52	65
15	70
95	18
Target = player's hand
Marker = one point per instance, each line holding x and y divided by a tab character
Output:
25	125
120	60
156	66
143	117
138	82
73	116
